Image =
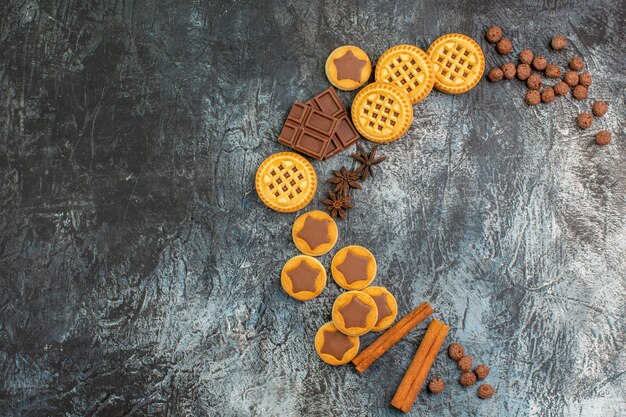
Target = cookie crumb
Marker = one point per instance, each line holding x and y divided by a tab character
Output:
526	56
509	70
481	371
599	108
576	63
558	42
561	88
456	351
553	71
486	391
571	78
532	97
495	74
584	79
465	363
504	46
539	63
580	92
494	34
523	71
547	95
534	81
603	137
467	379
436	385
584	120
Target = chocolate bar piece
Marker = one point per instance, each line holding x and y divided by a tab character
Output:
320	128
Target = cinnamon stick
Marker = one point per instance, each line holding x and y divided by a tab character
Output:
420	366
381	345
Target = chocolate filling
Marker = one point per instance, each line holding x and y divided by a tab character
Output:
336	344
354	268
355	313
383	308
349	67
303	277
314	232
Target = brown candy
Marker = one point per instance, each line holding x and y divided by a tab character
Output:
584	78
571	78
494	34
584	120
526	56
576	63
504	46
547	95
456	351
495	74
523	71
539	63
580	92
481	371
509	70
603	137
599	108
436	385
561	88
558	42
534	81
553	71
467	379
532	97
486	391
465	363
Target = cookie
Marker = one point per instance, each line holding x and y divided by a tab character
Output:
334	347
409	68
353	267
382	112
286	182
348	67
458	62
303	277
354	313
314	233
386	305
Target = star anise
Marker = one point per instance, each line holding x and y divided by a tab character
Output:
337	204
367	160
345	179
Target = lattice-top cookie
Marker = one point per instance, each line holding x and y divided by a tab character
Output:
286	182
458	62
382	112
409	68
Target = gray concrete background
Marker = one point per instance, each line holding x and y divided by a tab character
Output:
140	272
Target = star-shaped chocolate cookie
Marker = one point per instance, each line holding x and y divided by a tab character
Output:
349	67
354	268
336	344
303	277
314	232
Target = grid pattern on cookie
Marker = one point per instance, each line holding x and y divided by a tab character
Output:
455	63
285	181
379	113
402	72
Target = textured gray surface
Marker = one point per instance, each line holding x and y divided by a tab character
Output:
140	270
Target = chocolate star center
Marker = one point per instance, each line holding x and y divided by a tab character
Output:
381	305
336	344
349	67
355	313
354	268
314	232
303	277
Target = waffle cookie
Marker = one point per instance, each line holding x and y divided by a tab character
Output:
354	313
386	305
314	233
286	182
334	347
382	112
303	277
353	267
409	68
348	67
458	62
